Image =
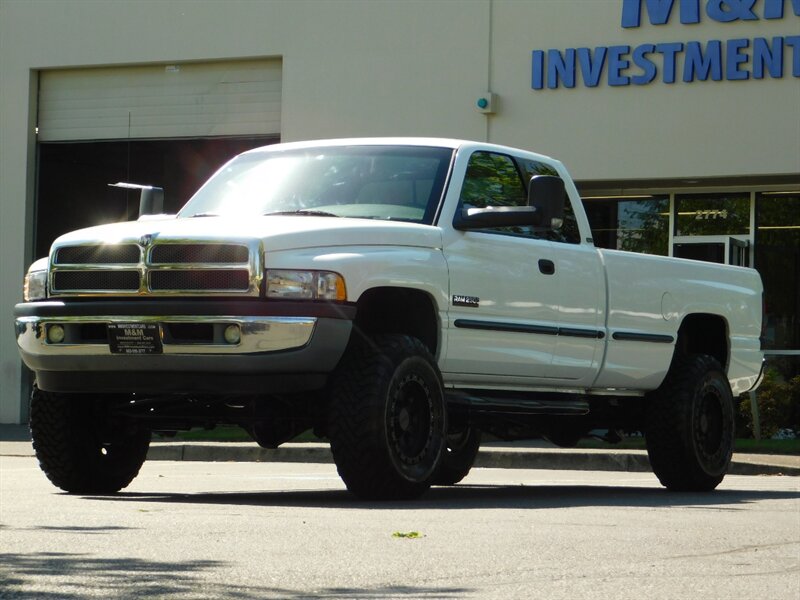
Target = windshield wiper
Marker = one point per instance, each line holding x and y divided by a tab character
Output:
205	214
305	212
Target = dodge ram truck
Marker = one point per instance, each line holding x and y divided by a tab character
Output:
399	297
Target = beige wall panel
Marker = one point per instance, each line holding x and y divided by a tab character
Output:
388	68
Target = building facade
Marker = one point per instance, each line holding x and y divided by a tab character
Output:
679	119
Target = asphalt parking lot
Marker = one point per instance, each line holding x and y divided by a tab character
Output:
196	529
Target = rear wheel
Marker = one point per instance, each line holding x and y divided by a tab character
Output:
690	425
387	419
79	448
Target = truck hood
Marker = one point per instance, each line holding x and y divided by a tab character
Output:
275	232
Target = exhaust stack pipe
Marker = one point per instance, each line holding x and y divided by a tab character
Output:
151	198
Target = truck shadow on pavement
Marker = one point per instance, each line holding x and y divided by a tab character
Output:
477	497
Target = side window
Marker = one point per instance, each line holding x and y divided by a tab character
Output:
494	180
500	180
569	232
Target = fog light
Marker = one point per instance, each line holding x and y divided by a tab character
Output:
233	335
55	334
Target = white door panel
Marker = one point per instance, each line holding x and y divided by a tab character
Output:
504	329
527	323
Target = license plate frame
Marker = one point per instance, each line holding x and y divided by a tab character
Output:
135	338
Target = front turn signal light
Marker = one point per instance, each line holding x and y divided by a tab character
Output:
34	286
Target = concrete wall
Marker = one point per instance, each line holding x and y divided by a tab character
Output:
402	68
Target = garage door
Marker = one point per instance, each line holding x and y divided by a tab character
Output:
161	101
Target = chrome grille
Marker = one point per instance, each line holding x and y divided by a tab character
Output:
127	254
198	253
164	267
200	279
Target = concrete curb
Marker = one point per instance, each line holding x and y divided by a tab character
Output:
239	452
488	457
494	457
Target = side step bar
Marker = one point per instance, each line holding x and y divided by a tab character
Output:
500	402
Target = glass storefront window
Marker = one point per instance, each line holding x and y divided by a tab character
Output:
633	224
785	366
777	258
712	214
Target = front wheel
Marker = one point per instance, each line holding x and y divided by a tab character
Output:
387	419
79	448
460	454
690	425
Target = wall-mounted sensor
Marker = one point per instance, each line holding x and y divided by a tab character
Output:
486	103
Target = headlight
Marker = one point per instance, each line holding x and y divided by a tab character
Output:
305	285
35	286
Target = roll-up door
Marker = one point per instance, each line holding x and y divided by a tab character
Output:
189	100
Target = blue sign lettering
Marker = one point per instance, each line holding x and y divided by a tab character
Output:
717	60
767	57
641	59
726	11
698	65
773	9
670	52
561	66
658	11
537	69
617	63
592	64
722	11
623	65
737	57
794	43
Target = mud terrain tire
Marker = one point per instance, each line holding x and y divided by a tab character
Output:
387	419
690	425
80	450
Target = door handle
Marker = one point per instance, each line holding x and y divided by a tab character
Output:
547	267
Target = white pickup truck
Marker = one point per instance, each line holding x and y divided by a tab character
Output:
397	296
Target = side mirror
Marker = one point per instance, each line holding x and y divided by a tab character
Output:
545	210
546	195
151	198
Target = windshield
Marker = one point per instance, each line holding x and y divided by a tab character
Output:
373	182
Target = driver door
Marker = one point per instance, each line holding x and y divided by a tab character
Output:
503	313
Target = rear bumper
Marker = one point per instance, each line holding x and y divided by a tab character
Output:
281	347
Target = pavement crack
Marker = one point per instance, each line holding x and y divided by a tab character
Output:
754	547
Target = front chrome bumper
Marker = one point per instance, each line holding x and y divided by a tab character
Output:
256	334
279	347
